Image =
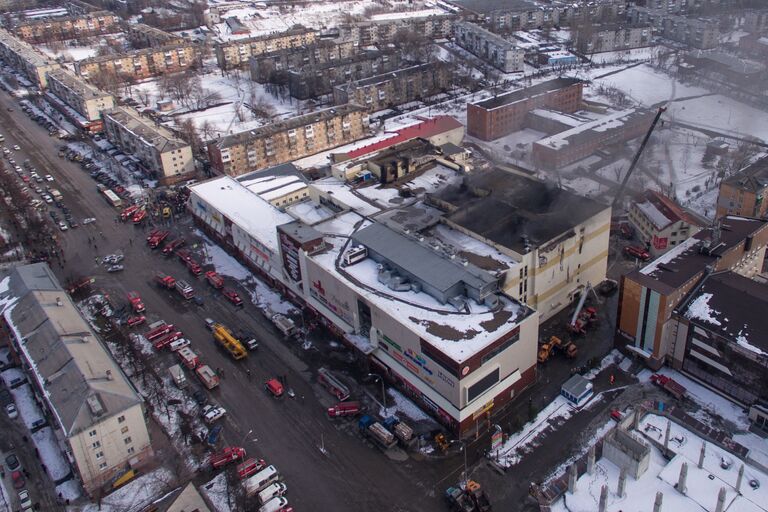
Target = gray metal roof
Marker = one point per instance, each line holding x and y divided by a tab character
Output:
420	261
82	382
576	385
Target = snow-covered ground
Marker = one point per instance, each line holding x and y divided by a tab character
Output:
216	490
399	403
135	495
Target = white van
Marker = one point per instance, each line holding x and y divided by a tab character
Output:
274	505
273	491
179	344
260	480
177	374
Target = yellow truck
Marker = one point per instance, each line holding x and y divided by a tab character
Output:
231	344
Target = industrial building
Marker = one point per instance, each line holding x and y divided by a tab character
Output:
75	94
438	326
96	415
287	140
558	239
43	30
492	48
745	192
237	53
159	150
501	115
661	224
139	64
268	67
649	295
395	88
27	59
584	140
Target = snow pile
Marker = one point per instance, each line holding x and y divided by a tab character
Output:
69	490
216	492
137	494
406	407
26	404
700	310
741	339
50	453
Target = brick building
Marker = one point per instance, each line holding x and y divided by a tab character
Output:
159	150
501	115
395	88
236	53
582	141
746	192
649	295
376	32
26	58
611	37
287	140
490	47
266	68
661	223
312	81
140	64
68	27
86	100
144	36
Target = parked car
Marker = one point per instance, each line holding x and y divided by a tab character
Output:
115	268
18	480
48	177
199	397
112	259
25	501
12	462
212	413
13	413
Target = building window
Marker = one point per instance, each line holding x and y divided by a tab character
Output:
92	433
128	440
103	465
96	444
131	450
120	419
99	455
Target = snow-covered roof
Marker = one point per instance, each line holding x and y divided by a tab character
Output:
614	121
80	380
343	195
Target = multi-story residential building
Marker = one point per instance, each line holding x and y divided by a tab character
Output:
492	48
140	64
67	27
378	32
236	53
756	21
755	45
395	88
464	356
648	296
97	418
661	223
610	38
24	57
698	33
584	140
558	240
274	66
501	115
287	140
158	149
144	36
746	192
86	100
312	81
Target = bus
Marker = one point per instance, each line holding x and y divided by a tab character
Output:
112	198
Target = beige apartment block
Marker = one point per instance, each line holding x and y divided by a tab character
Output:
159	150
86	99
26	58
235	54
288	140
144	36
68	27
141	64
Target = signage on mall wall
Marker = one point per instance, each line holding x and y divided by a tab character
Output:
660	242
290	251
414	362
340	308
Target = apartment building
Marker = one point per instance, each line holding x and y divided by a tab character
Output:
464	357
579	142
311	81
492	48
236	53
140	64
506	113
395	88
26	59
97	418
41	30
661	224
159	150
746	192
611	38
557	239
378	32
287	140
701	33
527	15
144	36
756	21
648	296
272	66
86	100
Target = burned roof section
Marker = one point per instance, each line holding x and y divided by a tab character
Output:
514	211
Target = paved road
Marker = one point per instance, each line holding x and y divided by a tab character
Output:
352	476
